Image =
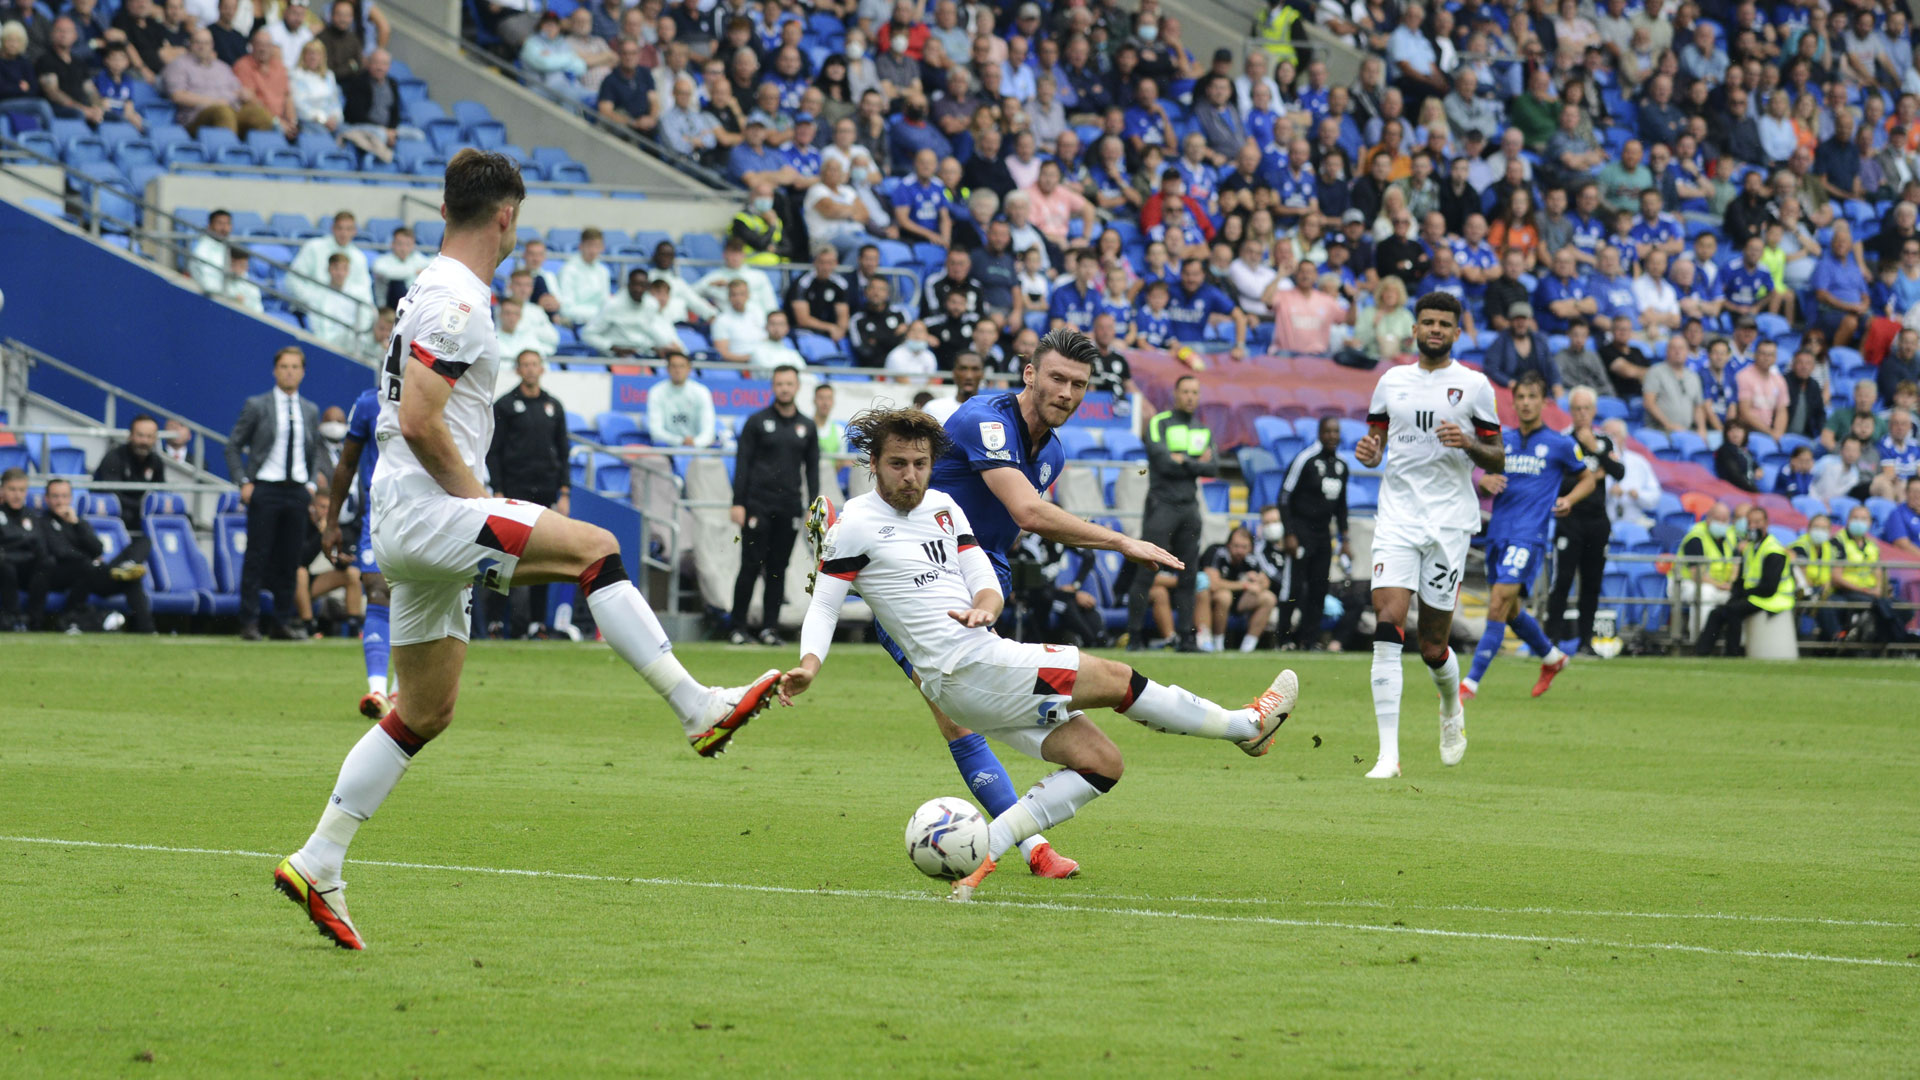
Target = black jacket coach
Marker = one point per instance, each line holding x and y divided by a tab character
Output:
778	458
528	458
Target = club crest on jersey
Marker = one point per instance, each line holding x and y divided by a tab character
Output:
944	520
1540	451
993	434
456	318
767	426
1046	473
1454	395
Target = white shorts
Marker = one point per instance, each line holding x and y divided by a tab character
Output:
1424	559
435	548
1012	690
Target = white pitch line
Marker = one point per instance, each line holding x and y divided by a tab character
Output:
1394	905
1038	905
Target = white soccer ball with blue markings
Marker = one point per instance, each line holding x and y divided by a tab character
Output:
947	838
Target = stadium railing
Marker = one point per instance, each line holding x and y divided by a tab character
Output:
23	358
1679	627
107	210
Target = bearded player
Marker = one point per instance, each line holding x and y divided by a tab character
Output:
436	535
1432	422
914	557
1001	455
1526	499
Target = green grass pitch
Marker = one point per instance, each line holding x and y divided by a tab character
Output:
1663	868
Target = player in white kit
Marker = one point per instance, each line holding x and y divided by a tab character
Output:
910	552
1433	421
436	535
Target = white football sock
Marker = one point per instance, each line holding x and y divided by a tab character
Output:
1553	656
372	768
1447	678
1048	803
1249	643
1219	643
630	626
376	684
1386	697
1182	712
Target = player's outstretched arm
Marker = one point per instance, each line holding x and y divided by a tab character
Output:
337	490
423	423
1037	515
816	633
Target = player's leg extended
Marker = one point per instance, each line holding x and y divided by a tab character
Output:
1389	640
311	876
1503	600
982	772
375	644
563	549
1105	684
1435	625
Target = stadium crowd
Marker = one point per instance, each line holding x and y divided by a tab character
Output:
1705	213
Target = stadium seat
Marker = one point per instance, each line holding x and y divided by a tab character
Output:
1270	429
67	460
1125	446
579	425
162	502
1255	459
18	456
229	551
617	428
1078	442
180	582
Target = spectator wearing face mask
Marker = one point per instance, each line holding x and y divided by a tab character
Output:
1764	585
1813	552
1278	558
1703	585
1858	579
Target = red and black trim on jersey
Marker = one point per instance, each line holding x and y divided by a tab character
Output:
1485	429
1377	420
450	370
967	541
844	569
504	534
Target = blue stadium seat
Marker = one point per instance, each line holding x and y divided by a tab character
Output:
487	135
1255	459
1079	442
229	551
612	476
571	172
1265	489
700	246
1363	491
379	230
579	425
178	573
18	456
429	232
162	502
617	428
469	113
67	460
1123	445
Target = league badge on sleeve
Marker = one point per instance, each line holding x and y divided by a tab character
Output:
993	434
456	318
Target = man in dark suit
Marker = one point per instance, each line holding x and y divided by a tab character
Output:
275	456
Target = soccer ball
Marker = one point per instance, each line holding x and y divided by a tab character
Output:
947	838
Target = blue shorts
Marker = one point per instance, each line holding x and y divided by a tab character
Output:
1514	562
1000	571
363	554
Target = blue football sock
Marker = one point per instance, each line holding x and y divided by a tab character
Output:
1529	630
1488	648
373	640
984	774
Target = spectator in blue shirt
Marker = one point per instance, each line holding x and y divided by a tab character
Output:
1611	289
626	94
1661	121
1147	122
911	133
1521	348
1840	290
1899	454
753	159
1151	322
1196	304
1836	163
1750	285
1562	296
1075	303
1903	525
1656	231
920	204
800	154
1415	62
1589	224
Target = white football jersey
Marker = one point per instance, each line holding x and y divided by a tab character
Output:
445	322
907	568
1428	484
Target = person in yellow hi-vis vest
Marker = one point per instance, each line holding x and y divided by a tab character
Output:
1858	579
1703	586
1179	451
1276	33
1765	585
1813	552
759	226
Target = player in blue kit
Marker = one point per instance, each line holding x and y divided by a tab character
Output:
359	453
1004	456
1525	499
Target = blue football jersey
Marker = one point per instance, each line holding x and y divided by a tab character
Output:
360	424
1536	463
987	433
